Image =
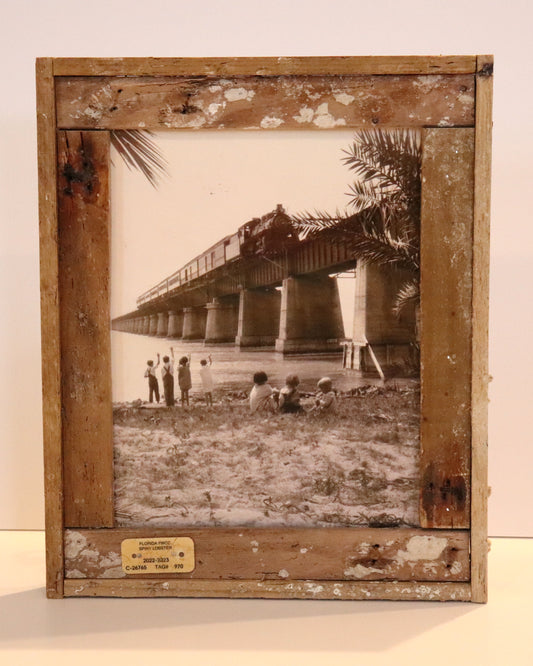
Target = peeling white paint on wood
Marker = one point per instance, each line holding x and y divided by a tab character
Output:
324	119
305	115
456	568
344	98
360	571
352	101
84	561
422	548
74	544
236	94
213	108
273	589
92	554
466	99
427	82
270	122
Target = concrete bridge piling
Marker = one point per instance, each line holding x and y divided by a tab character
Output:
311	317
258	319
162	324
194	321
304	315
375	322
175	324
222	319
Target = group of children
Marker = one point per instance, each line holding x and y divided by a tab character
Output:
184	379
263	398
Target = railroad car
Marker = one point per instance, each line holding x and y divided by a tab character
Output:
270	234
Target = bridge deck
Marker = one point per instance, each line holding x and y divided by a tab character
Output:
253	272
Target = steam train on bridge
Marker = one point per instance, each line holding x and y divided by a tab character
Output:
268	235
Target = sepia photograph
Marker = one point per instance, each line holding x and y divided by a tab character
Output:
265	341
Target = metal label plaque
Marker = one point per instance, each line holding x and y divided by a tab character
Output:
158	555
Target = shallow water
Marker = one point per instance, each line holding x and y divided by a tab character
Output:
232	368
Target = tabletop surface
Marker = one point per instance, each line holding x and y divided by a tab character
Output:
250	631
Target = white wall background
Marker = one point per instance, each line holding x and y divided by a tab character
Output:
30	28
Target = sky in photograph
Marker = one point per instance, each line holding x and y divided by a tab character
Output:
217	181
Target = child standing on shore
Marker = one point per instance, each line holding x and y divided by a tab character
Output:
207	379
262	394
184	379
153	384
167	375
289	396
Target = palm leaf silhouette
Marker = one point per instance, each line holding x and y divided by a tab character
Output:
384	225
139	151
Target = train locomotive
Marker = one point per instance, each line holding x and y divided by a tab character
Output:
269	235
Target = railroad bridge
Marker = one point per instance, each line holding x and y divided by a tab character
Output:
265	287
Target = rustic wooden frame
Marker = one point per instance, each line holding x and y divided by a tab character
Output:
77	101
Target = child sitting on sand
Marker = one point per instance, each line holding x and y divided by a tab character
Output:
184	379
289	396
153	384
325	399
207	380
262	394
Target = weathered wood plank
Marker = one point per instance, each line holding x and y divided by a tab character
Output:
446	326
301	589
442	499
322	65
51	378
84	256
312	554
279	102
480	327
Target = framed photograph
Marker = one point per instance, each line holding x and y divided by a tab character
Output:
264	326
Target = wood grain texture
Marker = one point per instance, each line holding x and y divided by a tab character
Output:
322	65
312	554
270	93
268	103
84	258
480	327
301	589
446	327
51	378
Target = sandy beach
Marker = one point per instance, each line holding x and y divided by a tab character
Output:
223	466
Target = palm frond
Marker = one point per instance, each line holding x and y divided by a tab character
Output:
139	151
386	161
312	224
408	294
363	195
371	235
